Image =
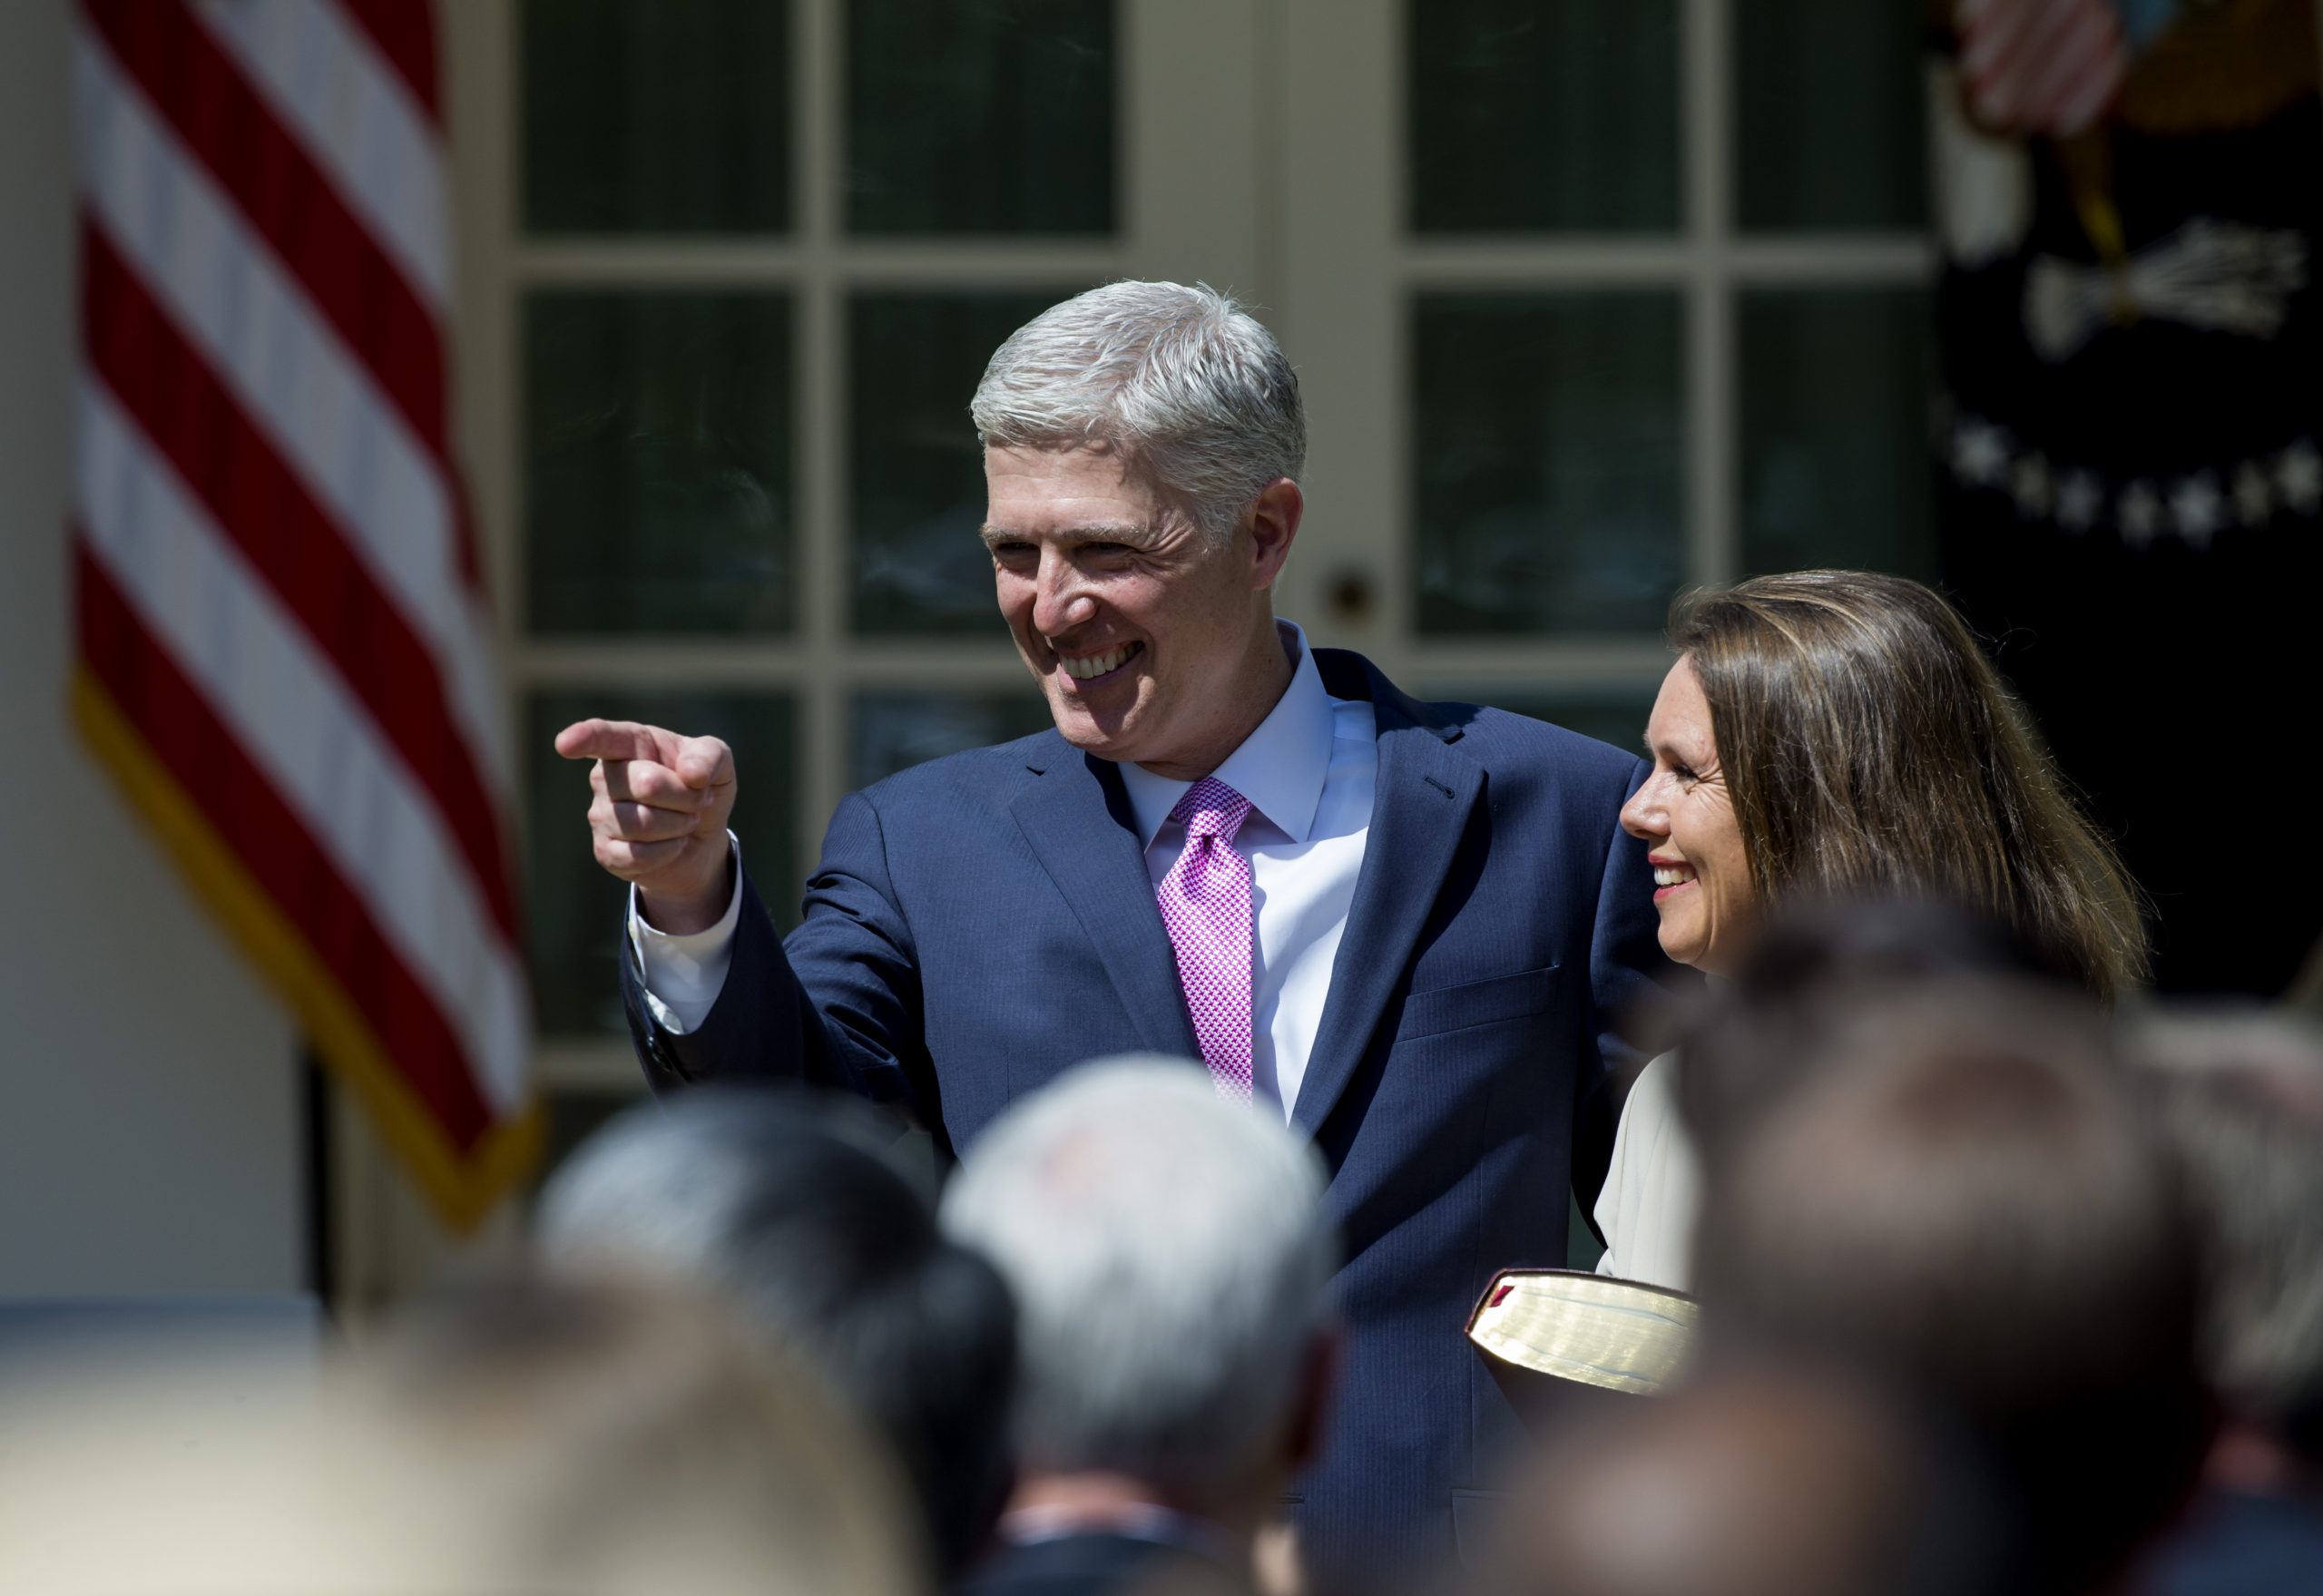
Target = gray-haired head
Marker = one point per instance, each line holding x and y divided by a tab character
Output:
2241	1102
1170	1260
1182	381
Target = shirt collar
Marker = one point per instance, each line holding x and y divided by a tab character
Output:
1279	767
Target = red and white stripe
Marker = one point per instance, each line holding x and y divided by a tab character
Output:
278	585
2040	67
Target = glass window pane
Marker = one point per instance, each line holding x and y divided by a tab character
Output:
1614	714
670	118
574	1115
1537	114
917	480
573	909
658	438
895	731
980	116
1550	458
1829	114
1836	468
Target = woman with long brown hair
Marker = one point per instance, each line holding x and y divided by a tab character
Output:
1830	733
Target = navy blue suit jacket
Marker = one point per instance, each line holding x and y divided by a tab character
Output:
983	922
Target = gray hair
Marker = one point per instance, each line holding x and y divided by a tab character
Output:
2241	1097
1183	381
1172	1264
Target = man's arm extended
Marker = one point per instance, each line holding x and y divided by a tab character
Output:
839	1005
684	975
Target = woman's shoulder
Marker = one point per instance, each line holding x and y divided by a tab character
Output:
1652	1100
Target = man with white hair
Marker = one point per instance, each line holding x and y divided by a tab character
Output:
1170	1261
1232	846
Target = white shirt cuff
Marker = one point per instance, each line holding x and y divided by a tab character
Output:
684	974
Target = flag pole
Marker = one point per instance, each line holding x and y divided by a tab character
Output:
317	1172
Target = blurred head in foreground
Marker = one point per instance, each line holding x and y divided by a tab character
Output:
1839	732
793	1207
1170	1260
1808	972
1755	1480
1967	1201
2240	1098
527	1441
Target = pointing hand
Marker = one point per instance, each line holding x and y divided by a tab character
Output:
658	819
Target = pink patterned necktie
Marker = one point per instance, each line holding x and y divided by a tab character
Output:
1206	908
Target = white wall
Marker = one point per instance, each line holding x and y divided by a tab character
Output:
149	1129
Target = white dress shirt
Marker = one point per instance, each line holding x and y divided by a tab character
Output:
1309	770
1653	1194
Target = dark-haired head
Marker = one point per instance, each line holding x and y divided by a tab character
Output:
1867	747
796	1208
1755	1038
1755	1477
1963	1197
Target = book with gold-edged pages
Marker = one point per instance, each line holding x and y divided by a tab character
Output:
1590	1329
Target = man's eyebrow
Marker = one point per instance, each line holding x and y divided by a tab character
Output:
1088	532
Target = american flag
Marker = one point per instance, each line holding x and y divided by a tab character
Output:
285	652
2040	67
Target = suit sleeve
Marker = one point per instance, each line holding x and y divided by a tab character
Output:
837	1004
1628	972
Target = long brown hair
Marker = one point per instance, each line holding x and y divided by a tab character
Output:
1868	746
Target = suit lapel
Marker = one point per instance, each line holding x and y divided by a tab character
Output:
1075	816
1420	810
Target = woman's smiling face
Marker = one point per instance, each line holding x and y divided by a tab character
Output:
1684	815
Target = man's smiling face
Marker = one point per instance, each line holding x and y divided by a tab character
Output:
1143	635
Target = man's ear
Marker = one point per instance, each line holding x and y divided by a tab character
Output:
1274	523
1318	1378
